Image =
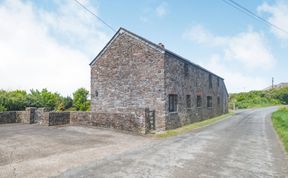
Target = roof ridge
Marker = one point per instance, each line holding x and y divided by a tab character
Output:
156	46
169	51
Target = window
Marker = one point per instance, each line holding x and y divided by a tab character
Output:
210	81
218	82
188	101
209	101
172	103
186	70
199	101
218	100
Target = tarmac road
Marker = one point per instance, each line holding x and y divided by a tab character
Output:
244	145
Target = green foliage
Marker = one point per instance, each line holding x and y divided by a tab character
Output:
68	102
13	100
80	100
2	108
19	100
259	98
280	122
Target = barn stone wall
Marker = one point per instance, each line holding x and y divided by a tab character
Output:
129	75
133	73
193	82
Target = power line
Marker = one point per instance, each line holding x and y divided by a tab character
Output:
252	14
84	7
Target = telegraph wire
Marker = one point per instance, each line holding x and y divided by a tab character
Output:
252	14
92	13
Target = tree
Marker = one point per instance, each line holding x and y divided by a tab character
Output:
80	100
45	98
68	102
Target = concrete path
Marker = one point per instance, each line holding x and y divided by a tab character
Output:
243	146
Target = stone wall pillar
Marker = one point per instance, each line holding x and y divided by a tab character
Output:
28	117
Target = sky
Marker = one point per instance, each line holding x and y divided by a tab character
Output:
50	43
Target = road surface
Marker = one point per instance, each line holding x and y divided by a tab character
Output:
244	145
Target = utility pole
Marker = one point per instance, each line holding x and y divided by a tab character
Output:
272	82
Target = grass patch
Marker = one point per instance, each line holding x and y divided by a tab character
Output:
280	123
192	126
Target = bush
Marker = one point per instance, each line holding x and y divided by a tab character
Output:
259	98
19	100
2	108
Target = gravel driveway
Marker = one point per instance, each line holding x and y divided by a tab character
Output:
243	146
40	151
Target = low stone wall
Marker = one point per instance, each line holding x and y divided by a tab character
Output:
121	121
132	121
23	117
39	114
8	117
26	116
58	118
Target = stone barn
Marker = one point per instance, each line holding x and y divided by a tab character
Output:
133	73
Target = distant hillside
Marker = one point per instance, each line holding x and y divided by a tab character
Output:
280	85
259	98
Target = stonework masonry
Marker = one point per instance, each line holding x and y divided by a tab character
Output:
129	76
26	116
121	121
135	121
8	117
132	72
193	82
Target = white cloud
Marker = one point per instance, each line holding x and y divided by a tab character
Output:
235	81
235	57
156	10
248	48
32	55
200	35
278	15
161	10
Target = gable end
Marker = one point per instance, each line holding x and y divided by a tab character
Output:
121	31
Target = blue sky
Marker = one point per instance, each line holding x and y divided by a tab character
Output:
49	44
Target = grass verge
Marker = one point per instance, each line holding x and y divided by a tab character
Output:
189	127
280	123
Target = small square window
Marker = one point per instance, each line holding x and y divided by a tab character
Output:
188	101
209	101
199	101
172	103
